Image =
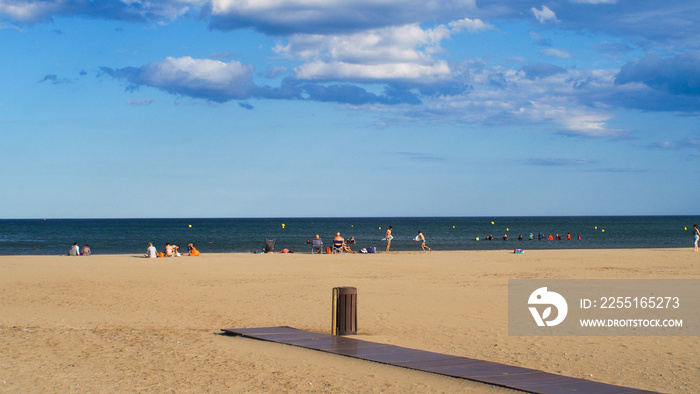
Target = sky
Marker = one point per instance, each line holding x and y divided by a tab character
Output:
348	108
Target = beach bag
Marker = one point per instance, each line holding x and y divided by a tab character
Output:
328	250
363	250
160	254
372	249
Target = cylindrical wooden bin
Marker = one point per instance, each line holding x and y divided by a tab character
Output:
344	311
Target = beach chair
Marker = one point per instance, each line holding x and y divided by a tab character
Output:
270	245
316	246
337	246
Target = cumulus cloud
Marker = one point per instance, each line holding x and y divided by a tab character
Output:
471	25
365	52
282	17
679	74
219	81
589	125
399	53
201	78
545	15
32	11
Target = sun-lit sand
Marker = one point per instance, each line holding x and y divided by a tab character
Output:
126	323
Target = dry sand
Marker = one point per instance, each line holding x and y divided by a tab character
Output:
123	323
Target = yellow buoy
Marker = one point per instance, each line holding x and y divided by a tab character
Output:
453	226
189	225
282	225
686	229
603	230
507	229
596	227
491	222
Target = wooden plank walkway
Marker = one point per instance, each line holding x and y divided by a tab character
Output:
524	379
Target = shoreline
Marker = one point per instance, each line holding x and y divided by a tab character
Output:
378	251
123	322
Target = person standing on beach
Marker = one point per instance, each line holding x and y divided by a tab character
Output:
388	237
421	238
697	236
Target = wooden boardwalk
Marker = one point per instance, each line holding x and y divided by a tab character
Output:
524	379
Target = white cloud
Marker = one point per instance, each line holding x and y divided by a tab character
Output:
29	12
34	11
545	15
560	53
471	25
393	53
348	71
504	96
283	17
587	124
202	72
200	78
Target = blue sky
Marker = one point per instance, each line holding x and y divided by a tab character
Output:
286	108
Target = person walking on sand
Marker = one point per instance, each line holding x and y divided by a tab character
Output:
388	237
421	238
697	236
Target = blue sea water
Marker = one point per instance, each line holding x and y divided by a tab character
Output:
131	236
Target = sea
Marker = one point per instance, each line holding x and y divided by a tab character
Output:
247	235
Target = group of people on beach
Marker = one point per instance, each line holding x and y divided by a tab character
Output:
340	244
388	237
540	236
170	251
75	250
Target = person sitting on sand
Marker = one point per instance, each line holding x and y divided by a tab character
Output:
86	250
74	250
192	249
151	251
347	248
168	250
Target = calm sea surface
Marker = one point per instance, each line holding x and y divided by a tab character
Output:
131	236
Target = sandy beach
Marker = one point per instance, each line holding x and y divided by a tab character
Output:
123	323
